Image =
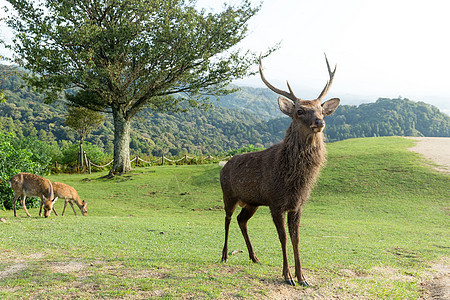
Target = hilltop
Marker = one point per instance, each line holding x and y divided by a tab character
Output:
372	229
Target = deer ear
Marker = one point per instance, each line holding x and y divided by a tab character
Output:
286	106
330	106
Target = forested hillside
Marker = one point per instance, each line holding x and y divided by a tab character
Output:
385	117
212	131
249	116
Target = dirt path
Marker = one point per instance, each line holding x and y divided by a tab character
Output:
436	149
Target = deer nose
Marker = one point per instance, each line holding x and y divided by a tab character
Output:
319	123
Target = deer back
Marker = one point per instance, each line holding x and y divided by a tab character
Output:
31	185
65	191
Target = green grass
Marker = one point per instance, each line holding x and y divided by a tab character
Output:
375	225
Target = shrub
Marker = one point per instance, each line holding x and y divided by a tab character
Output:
14	160
42	153
248	148
70	154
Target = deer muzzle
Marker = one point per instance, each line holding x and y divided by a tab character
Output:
318	125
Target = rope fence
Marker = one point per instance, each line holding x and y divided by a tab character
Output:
157	161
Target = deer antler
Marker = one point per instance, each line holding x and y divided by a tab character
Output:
328	85
289	95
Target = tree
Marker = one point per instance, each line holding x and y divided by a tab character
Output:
127	55
83	121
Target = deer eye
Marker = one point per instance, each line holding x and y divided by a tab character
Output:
300	112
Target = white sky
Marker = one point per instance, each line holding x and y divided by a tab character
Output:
383	48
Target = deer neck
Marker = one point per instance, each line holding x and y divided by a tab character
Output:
301	156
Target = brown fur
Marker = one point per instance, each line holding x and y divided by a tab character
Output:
70	195
31	185
280	177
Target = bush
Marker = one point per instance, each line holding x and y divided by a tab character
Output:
14	160
70	154
42	153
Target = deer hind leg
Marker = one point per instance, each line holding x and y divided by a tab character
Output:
22	201
230	206
246	213
64	209
294	223
14	203
278	219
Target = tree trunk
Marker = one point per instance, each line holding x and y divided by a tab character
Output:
122	126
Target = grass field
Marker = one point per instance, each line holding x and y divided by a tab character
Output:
374	228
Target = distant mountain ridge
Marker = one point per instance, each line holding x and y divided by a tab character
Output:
259	101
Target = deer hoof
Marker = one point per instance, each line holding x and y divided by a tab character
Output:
291	282
304	284
255	260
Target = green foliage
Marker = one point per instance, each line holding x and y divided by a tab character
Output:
42	153
131	50
14	160
70	154
83	121
248	148
5	71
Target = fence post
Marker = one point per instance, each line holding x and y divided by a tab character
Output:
137	161
89	166
85	158
162	160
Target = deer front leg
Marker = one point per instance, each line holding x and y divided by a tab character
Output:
278	219
53	203
294	223
71	204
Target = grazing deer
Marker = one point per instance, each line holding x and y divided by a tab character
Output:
281	176
31	185
64	191
70	195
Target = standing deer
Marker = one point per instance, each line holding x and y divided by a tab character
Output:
64	191
31	185
281	176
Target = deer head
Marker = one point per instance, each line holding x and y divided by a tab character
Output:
48	206
308	114
84	208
